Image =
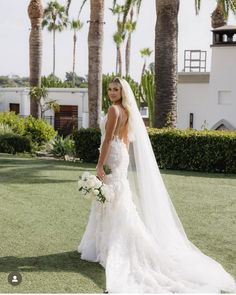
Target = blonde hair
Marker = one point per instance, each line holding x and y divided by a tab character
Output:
124	104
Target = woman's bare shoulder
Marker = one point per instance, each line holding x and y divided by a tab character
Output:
113	111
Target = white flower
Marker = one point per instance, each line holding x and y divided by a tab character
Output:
80	183
93	177
92	188
85	175
97	183
90	183
95	192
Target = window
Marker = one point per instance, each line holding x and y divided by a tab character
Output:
14	107
224	97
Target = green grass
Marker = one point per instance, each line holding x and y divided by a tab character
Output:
43	219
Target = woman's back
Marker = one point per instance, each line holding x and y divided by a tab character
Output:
122	125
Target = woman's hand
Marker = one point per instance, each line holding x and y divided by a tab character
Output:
100	172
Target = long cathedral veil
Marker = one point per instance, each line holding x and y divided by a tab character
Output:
156	210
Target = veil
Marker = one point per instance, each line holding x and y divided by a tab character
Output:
155	207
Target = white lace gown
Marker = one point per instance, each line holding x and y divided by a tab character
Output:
134	262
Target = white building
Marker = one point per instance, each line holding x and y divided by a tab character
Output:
205	100
209	99
73	105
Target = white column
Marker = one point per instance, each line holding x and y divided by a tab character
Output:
25	103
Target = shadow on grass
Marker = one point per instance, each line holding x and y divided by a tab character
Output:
11	162
26	171
67	261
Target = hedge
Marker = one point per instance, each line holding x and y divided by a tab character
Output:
178	149
87	142
14	143
194	150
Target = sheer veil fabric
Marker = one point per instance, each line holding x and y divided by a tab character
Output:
157	211
138	238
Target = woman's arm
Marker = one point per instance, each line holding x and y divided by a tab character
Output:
112	119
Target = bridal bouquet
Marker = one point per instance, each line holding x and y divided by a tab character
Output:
93	188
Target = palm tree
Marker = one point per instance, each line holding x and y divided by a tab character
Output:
95	46
166	35
55	19
35	12
130	26
145	52
165	59
118	39
76	25
219	16
119	36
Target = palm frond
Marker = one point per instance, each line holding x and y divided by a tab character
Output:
197	6
81	7
127	6
68	6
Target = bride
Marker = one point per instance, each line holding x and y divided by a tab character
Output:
138	237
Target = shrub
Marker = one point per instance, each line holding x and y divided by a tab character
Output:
15	122
5	129
37	131
87	142
60	147
14	143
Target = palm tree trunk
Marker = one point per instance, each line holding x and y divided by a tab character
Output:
35	12
127	54
117	59
120	61
74	51
95	46
166	35
54	52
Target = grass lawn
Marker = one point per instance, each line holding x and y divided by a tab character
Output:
43	219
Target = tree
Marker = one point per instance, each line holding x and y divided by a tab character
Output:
118	39
79	81
130	26
75	25
119	36
55	19
35	12
219	16
95	46
165	59
39	94
166	35
145	52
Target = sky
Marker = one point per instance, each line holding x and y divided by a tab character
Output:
194	33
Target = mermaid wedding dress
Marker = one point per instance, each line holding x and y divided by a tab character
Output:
137	257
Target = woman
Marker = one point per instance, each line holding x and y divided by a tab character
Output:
138	237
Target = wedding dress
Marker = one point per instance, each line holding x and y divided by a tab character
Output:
138	257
